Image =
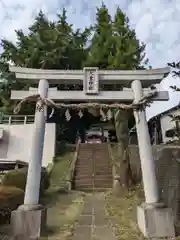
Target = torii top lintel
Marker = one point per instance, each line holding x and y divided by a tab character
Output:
125	77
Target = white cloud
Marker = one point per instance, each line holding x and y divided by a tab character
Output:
156	21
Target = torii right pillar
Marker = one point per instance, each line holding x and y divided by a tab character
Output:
155	220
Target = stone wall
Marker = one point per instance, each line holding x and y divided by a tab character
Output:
167	162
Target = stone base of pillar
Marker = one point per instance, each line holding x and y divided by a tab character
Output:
155	221
28	222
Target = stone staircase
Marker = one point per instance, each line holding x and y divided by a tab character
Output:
93	170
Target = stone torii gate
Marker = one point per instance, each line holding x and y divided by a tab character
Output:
136	83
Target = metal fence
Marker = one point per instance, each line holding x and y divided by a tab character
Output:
16	119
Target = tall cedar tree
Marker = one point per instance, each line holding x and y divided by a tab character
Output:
55	45
114	46
101	43
48	45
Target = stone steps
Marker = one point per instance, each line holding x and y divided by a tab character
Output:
98	166
86	171
92	189
94	182
98	177
97	185
93	169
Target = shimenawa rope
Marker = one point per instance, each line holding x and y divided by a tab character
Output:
41	102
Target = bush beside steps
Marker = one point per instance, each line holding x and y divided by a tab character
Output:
10	198
17	178
12	190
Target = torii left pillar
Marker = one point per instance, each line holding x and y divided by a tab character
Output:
29	220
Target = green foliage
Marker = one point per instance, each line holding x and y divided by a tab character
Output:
109	43
175	118
17	178
176	67
10	199
176	73
61	169
9	192
114	45
48	45
101	43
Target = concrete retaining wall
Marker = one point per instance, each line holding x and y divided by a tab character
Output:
17	140
167	161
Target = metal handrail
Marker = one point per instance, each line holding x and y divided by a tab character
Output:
16	119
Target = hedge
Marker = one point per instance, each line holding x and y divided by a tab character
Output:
17	178
10	199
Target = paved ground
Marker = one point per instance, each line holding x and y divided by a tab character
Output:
93	224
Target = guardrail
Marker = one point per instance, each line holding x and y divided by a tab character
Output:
6	165
16	119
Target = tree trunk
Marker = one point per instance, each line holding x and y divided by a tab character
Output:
123	173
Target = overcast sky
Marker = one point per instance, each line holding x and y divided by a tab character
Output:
157	23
